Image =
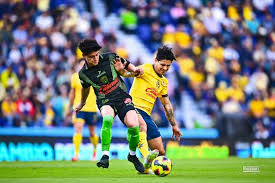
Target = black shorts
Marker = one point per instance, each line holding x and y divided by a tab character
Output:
121	106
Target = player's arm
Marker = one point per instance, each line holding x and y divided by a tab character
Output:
71	99
169	112
125	68
84	91
127	74
137	71
84	95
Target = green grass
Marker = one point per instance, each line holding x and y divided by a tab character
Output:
121	171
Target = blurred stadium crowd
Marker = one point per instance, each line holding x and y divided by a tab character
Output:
225	56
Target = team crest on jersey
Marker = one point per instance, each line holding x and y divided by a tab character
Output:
163	83
158	84
104	79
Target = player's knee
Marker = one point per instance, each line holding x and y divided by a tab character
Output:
142	126
78	128
132	123
92	133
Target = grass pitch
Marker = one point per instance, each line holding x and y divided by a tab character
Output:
121	171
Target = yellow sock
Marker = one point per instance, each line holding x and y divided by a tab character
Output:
94	140
142	144
77	140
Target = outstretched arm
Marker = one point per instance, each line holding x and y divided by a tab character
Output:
169	112
127	74
84	95
127	69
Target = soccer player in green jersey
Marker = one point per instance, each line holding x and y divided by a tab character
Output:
101	73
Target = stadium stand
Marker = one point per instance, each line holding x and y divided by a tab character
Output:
223	78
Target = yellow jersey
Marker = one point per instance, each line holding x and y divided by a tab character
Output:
90	105
147	87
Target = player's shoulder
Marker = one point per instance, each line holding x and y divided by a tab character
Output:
84	68
147	66
108	56
82	72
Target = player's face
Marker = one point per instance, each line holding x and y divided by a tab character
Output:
162	66
92	58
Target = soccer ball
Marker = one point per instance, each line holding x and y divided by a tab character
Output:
162	166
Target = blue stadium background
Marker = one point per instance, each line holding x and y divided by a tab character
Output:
222	85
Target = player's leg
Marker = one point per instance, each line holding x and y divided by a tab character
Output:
108	114
149	156
77	138
142	144
152	132
156	143
131	121
91	121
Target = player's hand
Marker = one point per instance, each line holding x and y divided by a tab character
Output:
78	107
139	71
118	64
68	113
176	133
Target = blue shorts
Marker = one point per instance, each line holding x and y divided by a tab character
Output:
152	128
89	118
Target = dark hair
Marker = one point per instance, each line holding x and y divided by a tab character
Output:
88	45
165	53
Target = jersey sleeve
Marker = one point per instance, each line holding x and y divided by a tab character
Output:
83	81
123	60
164	91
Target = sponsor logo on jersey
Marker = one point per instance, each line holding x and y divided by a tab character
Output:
107	88
105	101
151	92
100	73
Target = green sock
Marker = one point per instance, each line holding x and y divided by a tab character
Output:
133	138
106	133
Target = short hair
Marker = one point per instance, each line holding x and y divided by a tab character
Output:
165	53
87	46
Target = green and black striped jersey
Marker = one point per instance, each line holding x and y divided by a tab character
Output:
105	80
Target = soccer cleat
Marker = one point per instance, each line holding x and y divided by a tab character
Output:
75	158
149	159
138	165
104	162
147	171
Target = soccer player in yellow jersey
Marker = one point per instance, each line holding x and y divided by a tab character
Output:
86	115
152	84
